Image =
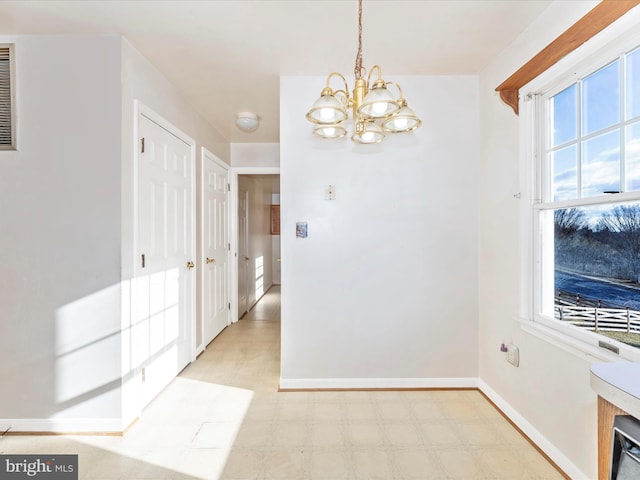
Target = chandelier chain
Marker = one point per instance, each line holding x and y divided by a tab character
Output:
359	69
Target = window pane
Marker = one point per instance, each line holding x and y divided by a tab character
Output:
597	258
565	118
601	164
632	152
565	173
601	99
633	84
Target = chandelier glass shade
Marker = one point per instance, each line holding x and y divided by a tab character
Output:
367	132
379	102
374	108
405	120
327	109
329	131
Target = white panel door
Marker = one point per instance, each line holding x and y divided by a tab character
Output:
243	252
215	247
275	266
162	337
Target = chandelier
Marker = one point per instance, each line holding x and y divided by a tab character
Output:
375	110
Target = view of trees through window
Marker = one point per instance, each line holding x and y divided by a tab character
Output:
597	269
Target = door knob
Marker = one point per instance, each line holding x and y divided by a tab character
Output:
246	258
211	260
190	265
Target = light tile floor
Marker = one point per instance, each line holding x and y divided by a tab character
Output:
223	418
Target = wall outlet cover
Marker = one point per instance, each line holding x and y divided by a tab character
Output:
330	192
513	355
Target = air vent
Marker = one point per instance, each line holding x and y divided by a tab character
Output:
7	135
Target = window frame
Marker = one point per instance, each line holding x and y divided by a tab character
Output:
535	179
12	94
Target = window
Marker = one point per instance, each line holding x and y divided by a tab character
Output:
7	124
586	216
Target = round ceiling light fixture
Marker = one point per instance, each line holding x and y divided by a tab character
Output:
247	121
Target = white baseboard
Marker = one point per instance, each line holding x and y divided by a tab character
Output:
62	425
375	383
533	433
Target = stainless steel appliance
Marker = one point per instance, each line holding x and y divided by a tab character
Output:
625	449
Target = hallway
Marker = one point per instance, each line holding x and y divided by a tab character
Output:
246	354
223	418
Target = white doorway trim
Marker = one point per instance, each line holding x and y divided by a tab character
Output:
233	178
244	267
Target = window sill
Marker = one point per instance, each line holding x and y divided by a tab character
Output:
583	345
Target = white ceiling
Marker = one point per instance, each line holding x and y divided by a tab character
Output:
227	56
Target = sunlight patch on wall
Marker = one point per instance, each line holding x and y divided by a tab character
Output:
87	347
259	277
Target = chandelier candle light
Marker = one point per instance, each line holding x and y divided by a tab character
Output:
375	110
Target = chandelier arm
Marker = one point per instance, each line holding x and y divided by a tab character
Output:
374	68
398	87
344	80
346	100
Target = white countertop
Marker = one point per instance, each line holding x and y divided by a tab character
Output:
619	384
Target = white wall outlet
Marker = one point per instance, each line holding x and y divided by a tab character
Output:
513	355
330	192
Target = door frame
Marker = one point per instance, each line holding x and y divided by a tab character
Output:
233	206
243	258
206	153
139	110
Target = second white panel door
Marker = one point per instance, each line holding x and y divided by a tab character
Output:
215	228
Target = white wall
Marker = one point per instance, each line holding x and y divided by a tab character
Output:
259	232
549	394
383	292
255	154
60	240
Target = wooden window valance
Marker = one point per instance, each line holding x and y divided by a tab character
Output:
596	20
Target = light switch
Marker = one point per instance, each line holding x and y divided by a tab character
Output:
330	192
